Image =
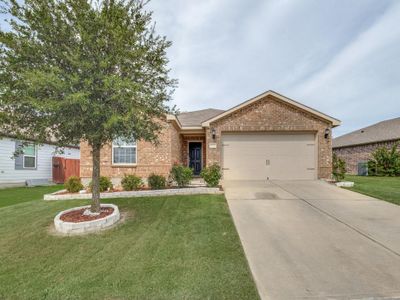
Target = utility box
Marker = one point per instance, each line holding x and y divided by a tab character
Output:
362	168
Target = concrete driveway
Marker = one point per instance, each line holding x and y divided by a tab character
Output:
312	240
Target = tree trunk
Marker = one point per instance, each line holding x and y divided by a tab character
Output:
95	208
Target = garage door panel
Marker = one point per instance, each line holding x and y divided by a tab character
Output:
274	156
293	169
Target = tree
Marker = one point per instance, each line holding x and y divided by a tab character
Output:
77	70
385	161
338	167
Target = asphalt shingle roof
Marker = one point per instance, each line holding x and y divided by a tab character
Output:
388	130
195	118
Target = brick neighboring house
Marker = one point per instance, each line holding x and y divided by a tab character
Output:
267	137
356	147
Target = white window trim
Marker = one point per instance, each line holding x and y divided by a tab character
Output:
124	146
34	156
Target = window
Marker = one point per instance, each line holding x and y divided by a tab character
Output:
29	156
124	152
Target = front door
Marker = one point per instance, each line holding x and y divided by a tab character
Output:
195	157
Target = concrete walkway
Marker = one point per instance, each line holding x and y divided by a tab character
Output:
312	240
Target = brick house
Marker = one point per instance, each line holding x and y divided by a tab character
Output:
356	147
267	137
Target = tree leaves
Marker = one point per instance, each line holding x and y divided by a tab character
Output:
72	70
338	167
385	161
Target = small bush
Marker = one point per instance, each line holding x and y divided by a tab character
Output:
131	182
156	182
73	184
105	184
181	175
338	168
385	162
211	175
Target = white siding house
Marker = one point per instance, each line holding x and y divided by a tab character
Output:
34	164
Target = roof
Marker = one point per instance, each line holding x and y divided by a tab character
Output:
195	118
6	133
335	122
388	130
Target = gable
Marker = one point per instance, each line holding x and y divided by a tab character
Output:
273	95
270	113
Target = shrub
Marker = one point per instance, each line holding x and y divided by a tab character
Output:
385	162
338	168
156	182
131	182
181	175
211	175
105	184
73	184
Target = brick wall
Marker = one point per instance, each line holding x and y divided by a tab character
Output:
268	114
352	155
151	158
271	114
176	143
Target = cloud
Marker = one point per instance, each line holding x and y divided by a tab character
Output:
384	33
341	58
337	58
360	83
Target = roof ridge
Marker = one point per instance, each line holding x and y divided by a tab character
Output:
185	112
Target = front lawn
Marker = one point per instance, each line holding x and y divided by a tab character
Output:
385	188
11	196
182	247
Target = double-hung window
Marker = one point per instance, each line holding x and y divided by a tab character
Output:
124	152
29	156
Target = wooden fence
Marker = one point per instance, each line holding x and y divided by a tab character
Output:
63	168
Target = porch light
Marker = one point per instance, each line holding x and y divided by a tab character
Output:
213	133
327	131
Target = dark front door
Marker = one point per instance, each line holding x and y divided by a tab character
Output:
195	157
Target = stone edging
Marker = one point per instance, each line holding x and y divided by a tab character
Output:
130	194
71	228
345	184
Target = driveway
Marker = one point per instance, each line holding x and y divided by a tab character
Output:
312	240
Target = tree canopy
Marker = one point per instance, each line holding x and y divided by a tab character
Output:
74	70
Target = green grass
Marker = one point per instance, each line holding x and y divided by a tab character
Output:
385	188
182	247
11	196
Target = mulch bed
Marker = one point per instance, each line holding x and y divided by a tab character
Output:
77	216
145	188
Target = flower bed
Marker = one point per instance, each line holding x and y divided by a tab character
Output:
75	221
79	215
63	195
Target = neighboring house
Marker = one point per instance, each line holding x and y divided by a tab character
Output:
34	164
267	137
355	148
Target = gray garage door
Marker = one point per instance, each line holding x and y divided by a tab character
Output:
253	156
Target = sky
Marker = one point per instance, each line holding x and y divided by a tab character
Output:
341	57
